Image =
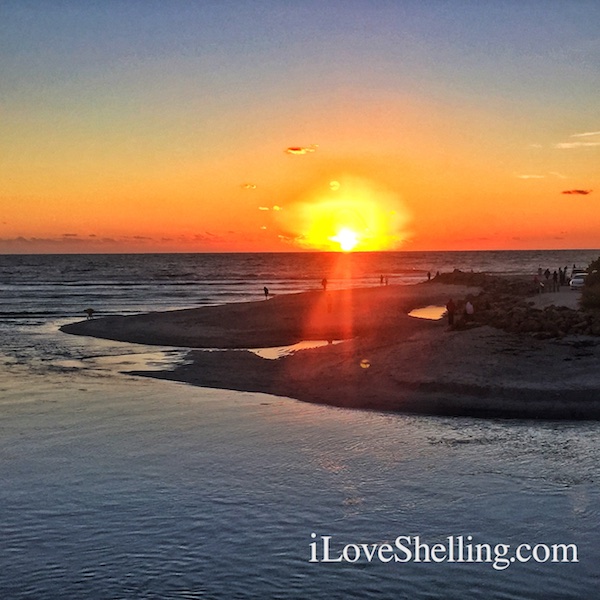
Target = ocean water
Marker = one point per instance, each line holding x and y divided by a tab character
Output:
122	487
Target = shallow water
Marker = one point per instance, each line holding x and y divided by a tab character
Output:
431	312
281	351
122	487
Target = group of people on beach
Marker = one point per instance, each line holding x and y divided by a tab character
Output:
547	281
452	309
383	280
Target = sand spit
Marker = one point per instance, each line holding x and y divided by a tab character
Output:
281	320
389	361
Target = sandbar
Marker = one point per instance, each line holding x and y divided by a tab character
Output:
388	360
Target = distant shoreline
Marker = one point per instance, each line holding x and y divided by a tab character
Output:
390	361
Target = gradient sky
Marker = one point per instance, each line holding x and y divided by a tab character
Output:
163	125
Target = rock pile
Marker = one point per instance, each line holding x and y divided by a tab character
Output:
504	303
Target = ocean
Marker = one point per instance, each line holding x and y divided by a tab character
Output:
120	487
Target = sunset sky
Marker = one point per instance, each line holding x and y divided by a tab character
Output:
283	125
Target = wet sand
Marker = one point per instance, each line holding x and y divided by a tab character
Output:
389	361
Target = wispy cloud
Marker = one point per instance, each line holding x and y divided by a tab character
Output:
531	176
579	192
301	149
586	134
568	145
208	236
537	176
580	144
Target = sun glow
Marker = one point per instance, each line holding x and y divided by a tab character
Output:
346	238
353	215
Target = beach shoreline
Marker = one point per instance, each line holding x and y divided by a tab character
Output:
389	361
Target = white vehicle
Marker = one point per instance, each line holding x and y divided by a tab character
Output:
577	281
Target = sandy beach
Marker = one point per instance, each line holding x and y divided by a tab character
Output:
387	361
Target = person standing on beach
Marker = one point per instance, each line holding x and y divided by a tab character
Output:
266	291
324	284
451	308
469	311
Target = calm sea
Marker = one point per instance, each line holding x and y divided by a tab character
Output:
118	487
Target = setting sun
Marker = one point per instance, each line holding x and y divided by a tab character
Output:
346	238
354	215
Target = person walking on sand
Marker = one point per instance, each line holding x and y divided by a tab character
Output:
451	309
324	284
266	291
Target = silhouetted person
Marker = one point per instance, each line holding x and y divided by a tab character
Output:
428	275
266	291
381	280
555	281
324	284
451	308
89	312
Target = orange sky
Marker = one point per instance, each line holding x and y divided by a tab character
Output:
168	130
